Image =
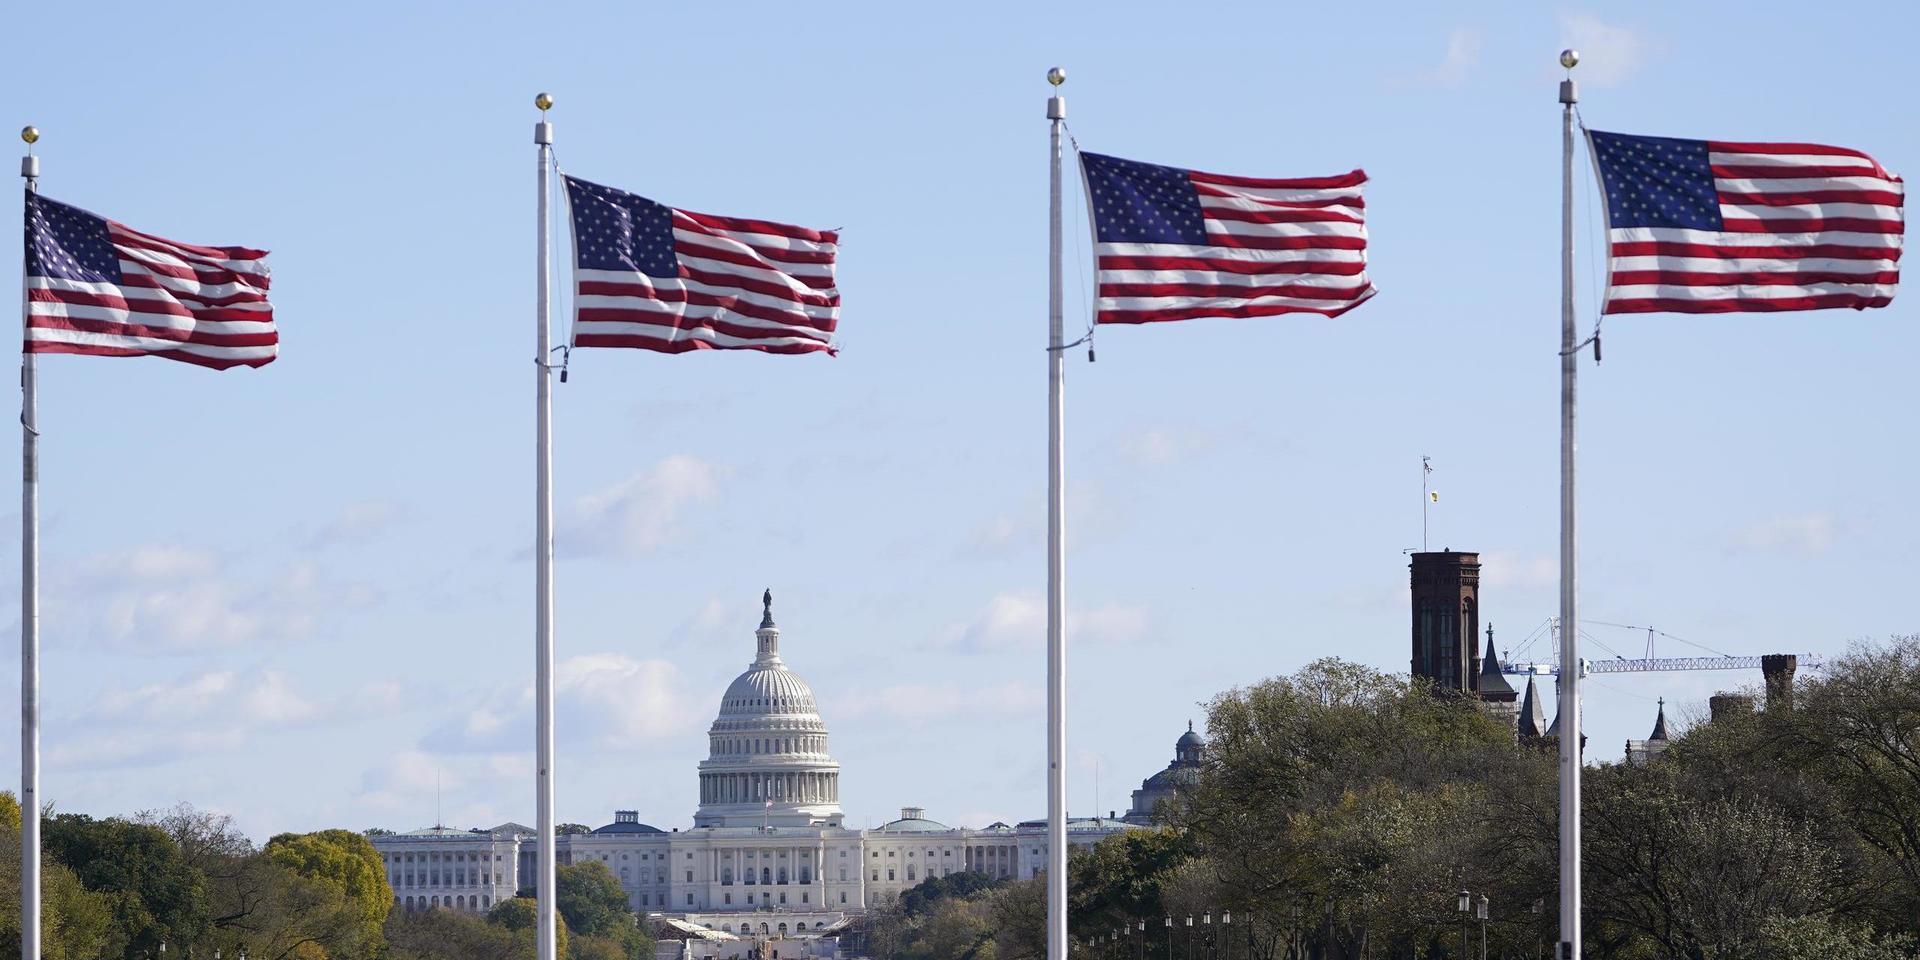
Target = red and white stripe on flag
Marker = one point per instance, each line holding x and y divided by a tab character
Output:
101	288
654	277
1177	244
1715	226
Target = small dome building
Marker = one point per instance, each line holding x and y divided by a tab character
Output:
1179	775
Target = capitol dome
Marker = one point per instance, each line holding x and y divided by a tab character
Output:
768	763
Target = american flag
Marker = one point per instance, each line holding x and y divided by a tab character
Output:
102	288
1176	244
654	277
1711	226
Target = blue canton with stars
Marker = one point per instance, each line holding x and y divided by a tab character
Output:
68	243
1137	202
616	230
1657	181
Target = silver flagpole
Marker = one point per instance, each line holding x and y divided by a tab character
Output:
1056	552
29	607
546	944
1569	719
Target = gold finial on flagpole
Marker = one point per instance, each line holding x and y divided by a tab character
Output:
1057	75
544	101
31	134
1569	58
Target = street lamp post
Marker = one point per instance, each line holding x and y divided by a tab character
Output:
1189	936
1466	908
1480	912
1140	936
1169	938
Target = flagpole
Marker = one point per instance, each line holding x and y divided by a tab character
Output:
1569	718
29	605
544	903
1056	551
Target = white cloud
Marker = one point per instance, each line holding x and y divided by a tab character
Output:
1609	54
640	513
174	598
1802	533
1500	568
1462	56
920	703
1159	446
625	699
1112	623
1010	619
1015	619
1001	536
358	523
216	711
710	620
611	698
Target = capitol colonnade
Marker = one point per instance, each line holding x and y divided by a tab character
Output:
737	788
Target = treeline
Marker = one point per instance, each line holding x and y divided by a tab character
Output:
1340	812
189	881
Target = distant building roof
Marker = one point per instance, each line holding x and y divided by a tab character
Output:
628	828
1660	723
913	820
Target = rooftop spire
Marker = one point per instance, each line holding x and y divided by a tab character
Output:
1660	723
1533	720
1492	684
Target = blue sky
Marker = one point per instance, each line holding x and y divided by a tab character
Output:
302	594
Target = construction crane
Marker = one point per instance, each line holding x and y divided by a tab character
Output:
1646	664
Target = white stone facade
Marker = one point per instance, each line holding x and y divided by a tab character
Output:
456	869
768	853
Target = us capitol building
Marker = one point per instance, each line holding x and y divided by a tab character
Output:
768	854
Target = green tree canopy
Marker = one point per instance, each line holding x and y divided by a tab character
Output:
152	893
590	899
344	871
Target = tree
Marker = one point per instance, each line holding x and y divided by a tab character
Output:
1351	799
1697	876
1858	729
451	935
75	922
1119	880
152	893
340	882
518	913
591	899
